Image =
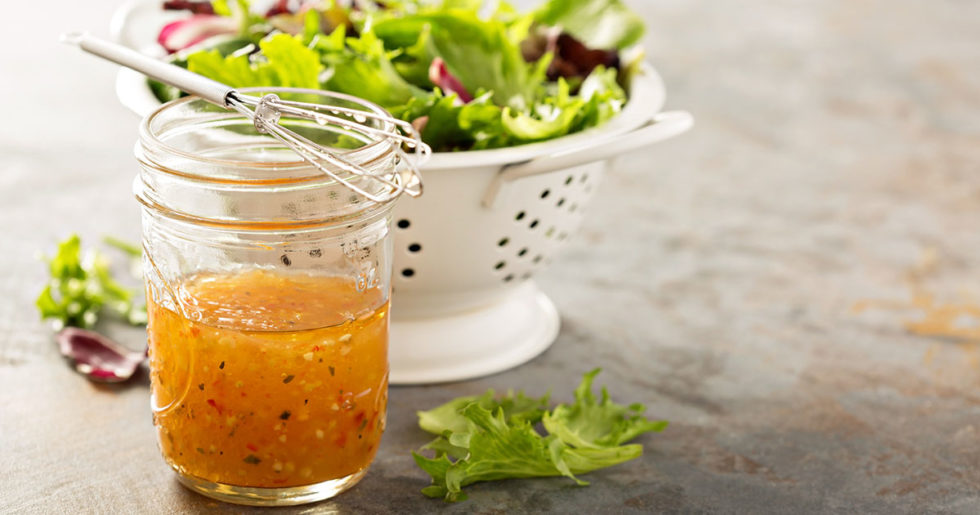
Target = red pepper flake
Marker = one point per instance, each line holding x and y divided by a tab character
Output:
341	440
363	424
200	387
288	378
251	447
316	348
285	415
251	459
195	331
215	405
222	365
360	418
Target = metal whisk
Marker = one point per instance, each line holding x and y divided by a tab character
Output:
265	113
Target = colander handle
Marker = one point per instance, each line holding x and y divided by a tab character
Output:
662	126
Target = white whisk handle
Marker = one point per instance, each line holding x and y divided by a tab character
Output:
175	76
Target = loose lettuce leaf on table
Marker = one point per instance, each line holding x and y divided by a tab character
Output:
81	286
486	438
515	406
587	424
497	448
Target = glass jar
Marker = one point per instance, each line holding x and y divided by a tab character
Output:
267	292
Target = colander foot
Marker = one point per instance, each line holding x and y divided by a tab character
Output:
475	343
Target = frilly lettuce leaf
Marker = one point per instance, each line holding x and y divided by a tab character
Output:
604	24
384	54
486	438
496	448
364	69
478	52
561	113
515	406
286	62
587	424
82	287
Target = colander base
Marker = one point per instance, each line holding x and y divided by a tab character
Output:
476	343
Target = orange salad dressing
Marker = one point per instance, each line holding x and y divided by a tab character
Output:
269	379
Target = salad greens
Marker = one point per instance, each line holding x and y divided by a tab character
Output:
468	77
81	286
485	438
596	23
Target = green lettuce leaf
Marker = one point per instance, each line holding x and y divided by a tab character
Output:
383	53
364	69
548	121
496	448
480	53
588	424
604	24
486	438
515	406
287	63
560	113
82	286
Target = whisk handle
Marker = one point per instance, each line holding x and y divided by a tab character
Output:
175	76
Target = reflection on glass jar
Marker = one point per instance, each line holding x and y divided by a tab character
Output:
268	291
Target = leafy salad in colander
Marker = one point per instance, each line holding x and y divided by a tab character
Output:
468	74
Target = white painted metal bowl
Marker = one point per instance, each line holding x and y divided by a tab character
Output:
464	304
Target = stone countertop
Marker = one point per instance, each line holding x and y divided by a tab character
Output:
794	284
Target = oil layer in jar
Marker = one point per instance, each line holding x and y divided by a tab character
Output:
269	379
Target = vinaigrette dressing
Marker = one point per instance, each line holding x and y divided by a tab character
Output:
269	379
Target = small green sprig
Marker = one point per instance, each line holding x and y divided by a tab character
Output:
82	286
487	438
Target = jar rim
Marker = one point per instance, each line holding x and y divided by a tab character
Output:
368	153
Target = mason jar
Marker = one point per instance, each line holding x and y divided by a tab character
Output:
267	297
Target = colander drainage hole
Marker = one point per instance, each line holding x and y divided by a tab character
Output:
404	223
537	259
408	272
519	216
545	193
534	223
561	202
500	265
569	180
509	278
415	247
503	241
573	207
584	178
522	252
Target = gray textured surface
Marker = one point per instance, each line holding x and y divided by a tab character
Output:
836	160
